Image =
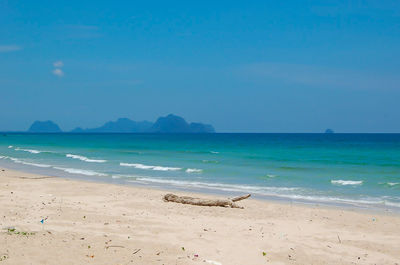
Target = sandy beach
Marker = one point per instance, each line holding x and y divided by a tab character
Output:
50	220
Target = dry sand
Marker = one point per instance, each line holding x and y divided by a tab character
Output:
98	223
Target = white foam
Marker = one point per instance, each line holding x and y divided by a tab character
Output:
118	176
292	193
214	152
158	168
81	171
32	151
18	161
347	182
10	146
393	183
367	201
84	158
218	186
35	164
194	170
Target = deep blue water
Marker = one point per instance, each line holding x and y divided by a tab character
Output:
353	169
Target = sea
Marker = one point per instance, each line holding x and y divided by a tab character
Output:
355	170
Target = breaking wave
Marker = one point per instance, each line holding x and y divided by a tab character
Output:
292	193
194	170
81	171
347	182
32	151
218	186
390	184
84	158
18	161
158	168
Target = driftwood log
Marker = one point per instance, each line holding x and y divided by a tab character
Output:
205	202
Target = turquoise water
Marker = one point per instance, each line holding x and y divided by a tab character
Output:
349	169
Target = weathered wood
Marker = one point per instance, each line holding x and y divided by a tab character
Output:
239	198
205	202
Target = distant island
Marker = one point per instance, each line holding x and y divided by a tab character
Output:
122	125
167	124
44	127
329	131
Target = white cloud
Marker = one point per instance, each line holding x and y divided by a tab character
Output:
58	72
9	48
58	64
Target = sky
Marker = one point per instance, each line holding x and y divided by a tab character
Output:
242	66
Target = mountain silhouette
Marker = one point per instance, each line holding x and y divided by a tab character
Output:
44	127
122	125
167	124
176	124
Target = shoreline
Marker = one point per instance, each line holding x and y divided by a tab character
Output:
102	223
209	192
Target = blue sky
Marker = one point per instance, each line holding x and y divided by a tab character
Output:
243	66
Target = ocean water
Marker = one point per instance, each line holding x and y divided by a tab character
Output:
361	170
